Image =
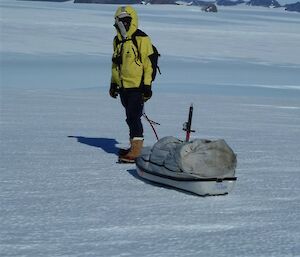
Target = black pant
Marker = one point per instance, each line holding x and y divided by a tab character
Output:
133	104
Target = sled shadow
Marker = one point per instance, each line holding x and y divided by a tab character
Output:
106	144
133	172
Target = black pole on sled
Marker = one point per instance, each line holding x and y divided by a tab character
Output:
187	126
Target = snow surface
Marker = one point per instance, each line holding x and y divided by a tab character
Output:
61	192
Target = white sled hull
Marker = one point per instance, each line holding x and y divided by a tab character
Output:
201	187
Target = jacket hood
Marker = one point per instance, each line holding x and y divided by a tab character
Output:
128	10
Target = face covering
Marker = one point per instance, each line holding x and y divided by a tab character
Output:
122	23
121	28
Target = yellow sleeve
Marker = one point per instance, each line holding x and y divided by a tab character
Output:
146	50
113	66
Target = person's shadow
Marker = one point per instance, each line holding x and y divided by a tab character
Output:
106	144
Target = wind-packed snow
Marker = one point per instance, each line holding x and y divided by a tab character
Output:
62	192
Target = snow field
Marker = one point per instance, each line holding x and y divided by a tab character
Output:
61	192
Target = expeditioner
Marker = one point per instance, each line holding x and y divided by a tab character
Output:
134	64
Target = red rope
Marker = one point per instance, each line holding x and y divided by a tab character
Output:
151	122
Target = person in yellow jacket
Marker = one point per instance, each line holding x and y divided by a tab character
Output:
132	73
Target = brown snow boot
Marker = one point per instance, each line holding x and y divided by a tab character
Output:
135	150
124	151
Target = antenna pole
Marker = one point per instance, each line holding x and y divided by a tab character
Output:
187	126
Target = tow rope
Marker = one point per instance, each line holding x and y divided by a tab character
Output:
152	124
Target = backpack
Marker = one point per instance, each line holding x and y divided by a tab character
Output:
154	60
153	57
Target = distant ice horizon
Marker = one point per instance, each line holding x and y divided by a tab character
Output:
282	2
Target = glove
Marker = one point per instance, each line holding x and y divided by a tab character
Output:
147	92
113	91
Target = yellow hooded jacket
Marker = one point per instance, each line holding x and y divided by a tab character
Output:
134	67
